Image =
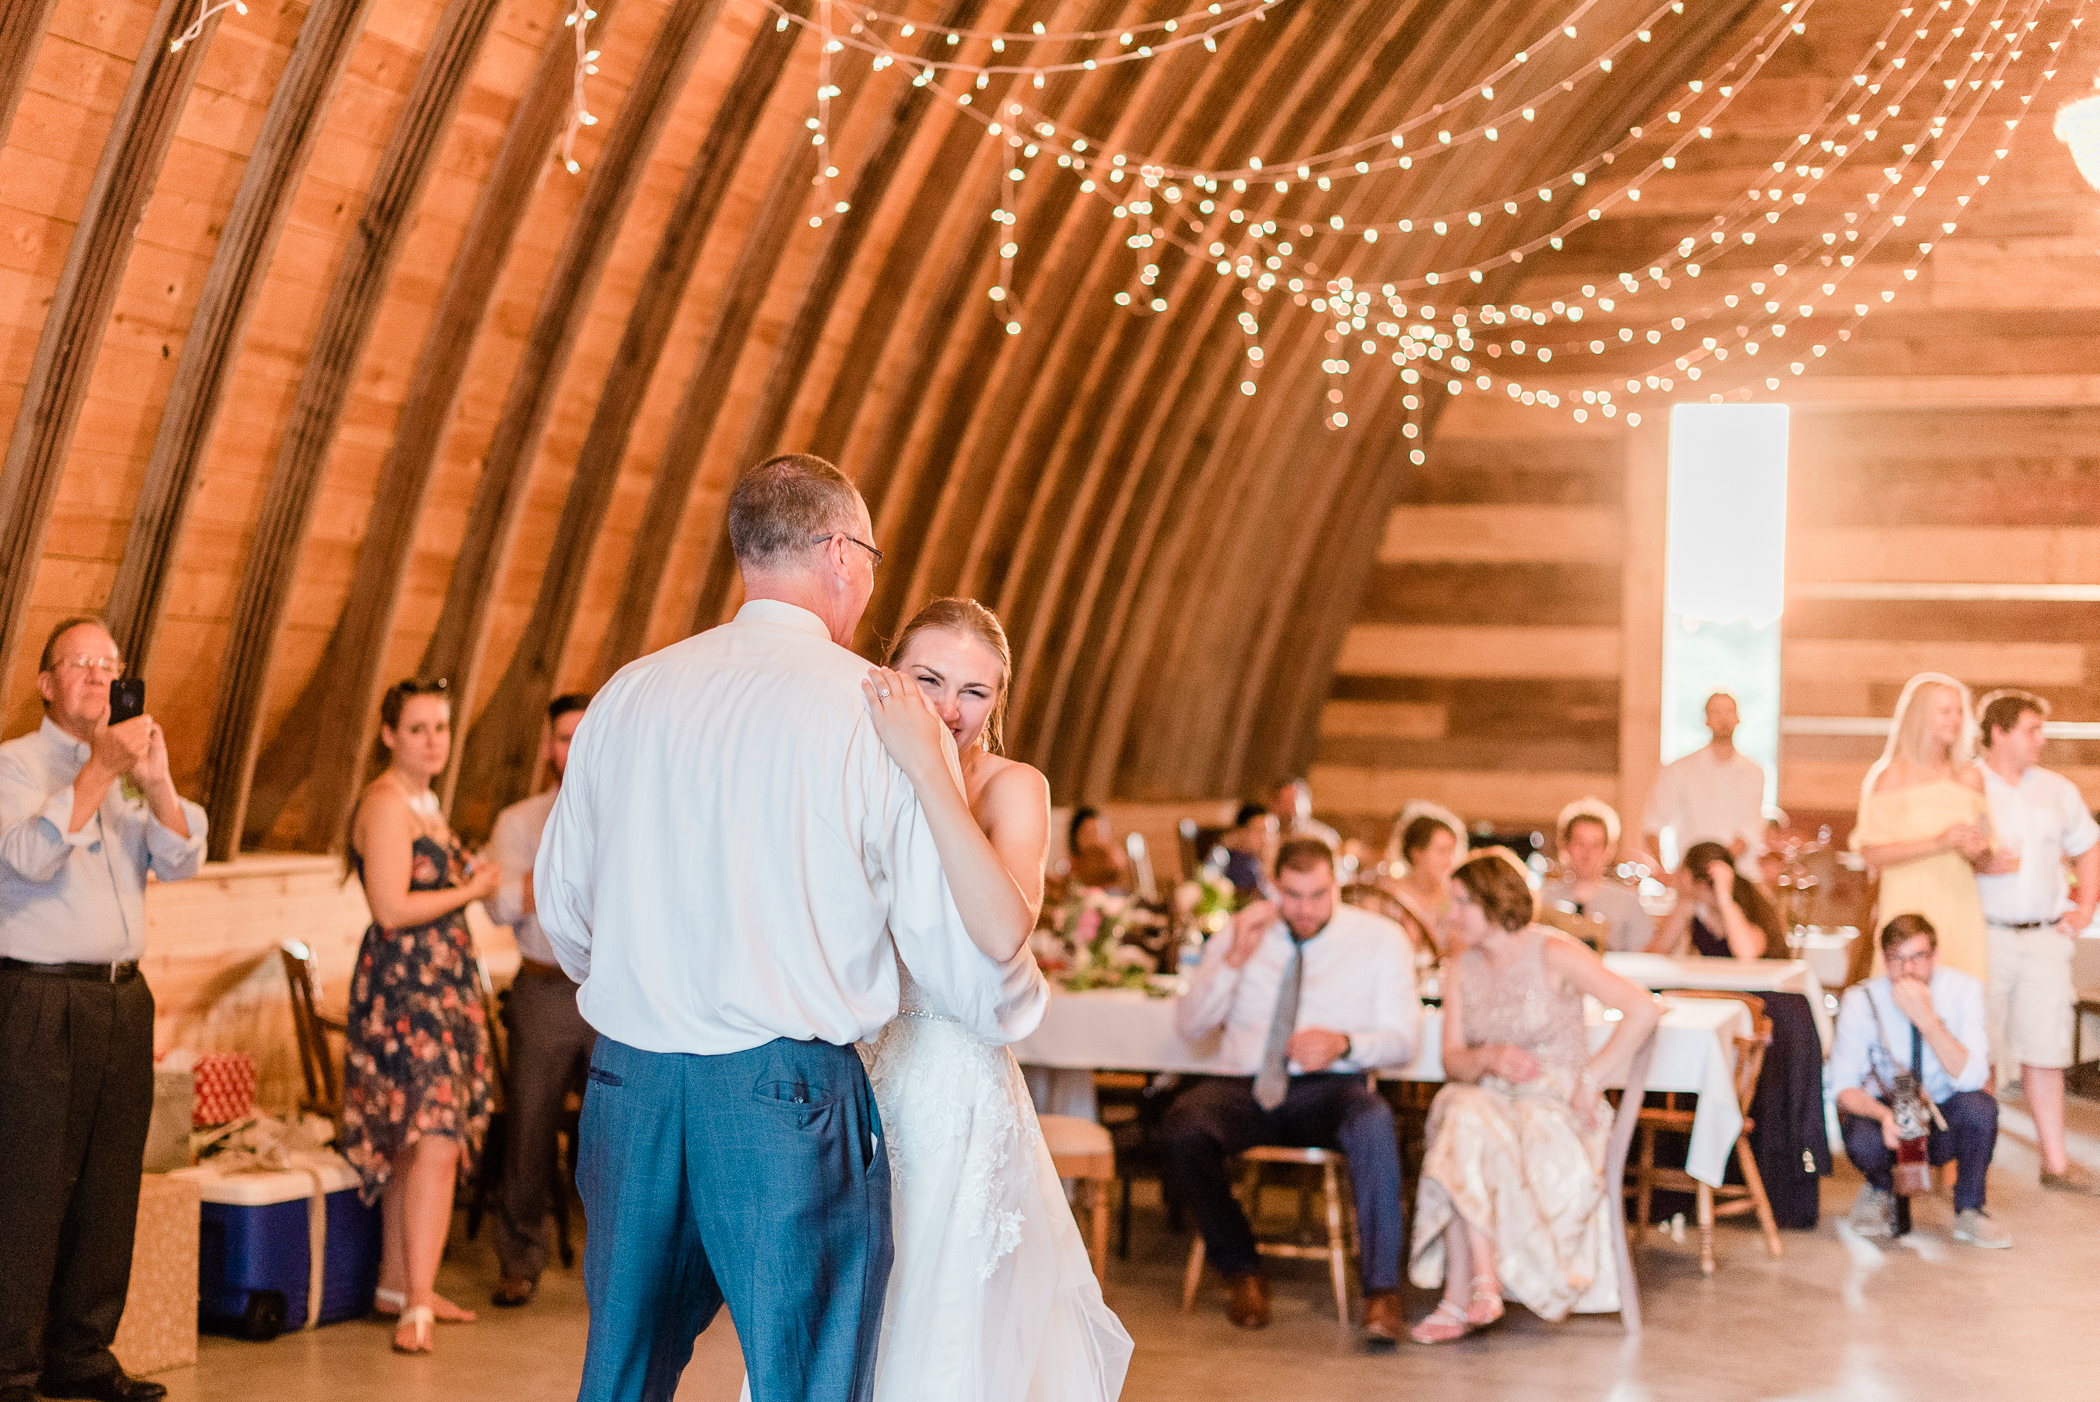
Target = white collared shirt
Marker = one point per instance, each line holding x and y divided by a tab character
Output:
515	843
79	897
1704	799
1873	1038
1359	980
733	853
2044	820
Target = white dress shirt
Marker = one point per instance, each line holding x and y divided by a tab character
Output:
78	898
733	854
515	843
1359	979
1704	799
1860	1048
2043	818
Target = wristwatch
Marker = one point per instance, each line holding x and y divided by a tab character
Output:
1348	1046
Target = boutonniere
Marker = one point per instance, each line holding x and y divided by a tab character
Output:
131	788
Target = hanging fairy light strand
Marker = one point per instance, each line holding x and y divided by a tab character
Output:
1041	34
1127	50
578	21
205	10
1946	135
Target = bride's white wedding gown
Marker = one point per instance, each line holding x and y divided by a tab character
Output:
992	1298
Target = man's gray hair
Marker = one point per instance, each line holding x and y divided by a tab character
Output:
780	506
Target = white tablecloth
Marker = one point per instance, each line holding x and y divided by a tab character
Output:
1124	1030
1734	975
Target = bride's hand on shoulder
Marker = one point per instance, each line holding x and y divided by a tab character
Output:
906	722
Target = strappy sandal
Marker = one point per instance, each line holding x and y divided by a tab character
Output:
418	1322
389	1302
1447	1323
1485	1306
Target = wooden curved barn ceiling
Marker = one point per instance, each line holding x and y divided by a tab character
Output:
323	369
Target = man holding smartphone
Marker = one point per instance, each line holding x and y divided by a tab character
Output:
87	808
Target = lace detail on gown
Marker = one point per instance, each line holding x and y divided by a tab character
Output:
945	1096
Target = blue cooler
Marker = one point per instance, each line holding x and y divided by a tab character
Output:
255	1263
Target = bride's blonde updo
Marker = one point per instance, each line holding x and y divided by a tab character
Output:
970	619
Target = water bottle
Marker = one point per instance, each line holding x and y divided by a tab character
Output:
1190	953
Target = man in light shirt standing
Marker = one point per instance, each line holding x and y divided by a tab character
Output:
1308	995
732	870
2038	820
1714	794
547	1035
87	809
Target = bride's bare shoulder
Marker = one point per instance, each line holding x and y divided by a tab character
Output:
1010	783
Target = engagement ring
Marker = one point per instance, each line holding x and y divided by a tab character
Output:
882	691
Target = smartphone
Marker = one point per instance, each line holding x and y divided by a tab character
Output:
127	699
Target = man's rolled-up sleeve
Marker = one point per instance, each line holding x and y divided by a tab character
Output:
565	870
33	822
172	856
1966	1020
1000	1002
1848	1055
506	904
1207	1002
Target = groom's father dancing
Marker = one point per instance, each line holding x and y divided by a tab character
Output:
731	857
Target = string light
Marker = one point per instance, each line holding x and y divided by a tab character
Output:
205	10
580	116
1126	50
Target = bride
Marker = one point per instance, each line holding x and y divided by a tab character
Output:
991	1297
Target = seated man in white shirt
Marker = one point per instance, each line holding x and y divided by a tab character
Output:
1306	1004
1927	1020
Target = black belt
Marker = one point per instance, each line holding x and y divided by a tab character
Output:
122	972
2023	924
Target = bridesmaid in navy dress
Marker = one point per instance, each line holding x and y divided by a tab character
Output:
415	1076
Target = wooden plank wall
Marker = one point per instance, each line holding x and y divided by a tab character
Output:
1483	669
1936	502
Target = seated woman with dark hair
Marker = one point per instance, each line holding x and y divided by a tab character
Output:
1095	860
1249	846
1430	843
1722	915
1513	1199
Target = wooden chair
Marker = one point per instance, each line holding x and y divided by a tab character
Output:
1729	1199
1083	1150
317	1059
1340	1245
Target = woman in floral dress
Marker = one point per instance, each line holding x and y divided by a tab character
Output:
415	1075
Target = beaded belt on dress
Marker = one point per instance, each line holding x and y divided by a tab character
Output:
928	1016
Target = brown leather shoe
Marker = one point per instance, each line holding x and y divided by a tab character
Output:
1249	1306
1382	1320
514	1291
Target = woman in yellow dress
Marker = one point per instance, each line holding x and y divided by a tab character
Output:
1923	821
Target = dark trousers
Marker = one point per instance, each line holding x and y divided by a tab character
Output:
548	1039
1969	1139
758	1179
1218	1118
76	1094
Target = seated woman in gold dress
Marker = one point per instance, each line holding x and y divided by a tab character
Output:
1924	823
1513	1199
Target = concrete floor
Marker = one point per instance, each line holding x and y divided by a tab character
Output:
1837	1318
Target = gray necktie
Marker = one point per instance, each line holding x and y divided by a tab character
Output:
1275	1078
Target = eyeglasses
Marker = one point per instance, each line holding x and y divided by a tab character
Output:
102	666
819	540
1923	956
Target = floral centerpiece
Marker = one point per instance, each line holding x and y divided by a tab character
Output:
1206	902
1098	939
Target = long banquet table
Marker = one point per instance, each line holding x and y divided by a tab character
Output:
1127	1030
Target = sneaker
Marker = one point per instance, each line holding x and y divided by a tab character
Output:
2074	1179
1871	1211
1975	1227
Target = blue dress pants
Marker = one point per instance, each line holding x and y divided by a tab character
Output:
757	1179
1218	1118
1969	1139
